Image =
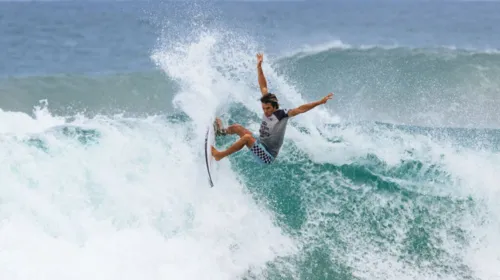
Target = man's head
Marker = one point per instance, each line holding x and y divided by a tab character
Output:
269	104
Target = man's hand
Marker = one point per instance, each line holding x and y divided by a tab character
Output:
260	58
326	98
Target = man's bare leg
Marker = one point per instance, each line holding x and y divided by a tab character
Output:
245	140
232	129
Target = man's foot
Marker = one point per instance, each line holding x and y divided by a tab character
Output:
219	128
216	154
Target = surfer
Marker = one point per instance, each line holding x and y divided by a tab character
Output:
272	129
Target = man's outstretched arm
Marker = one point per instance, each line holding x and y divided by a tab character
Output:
260	74
306	107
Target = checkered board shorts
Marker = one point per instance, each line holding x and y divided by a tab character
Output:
261	154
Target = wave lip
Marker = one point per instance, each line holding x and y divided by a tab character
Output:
339	45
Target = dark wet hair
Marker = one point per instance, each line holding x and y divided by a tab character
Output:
270	98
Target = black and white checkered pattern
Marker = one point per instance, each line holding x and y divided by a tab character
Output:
261	154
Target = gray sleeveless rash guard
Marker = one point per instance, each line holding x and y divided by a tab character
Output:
272	131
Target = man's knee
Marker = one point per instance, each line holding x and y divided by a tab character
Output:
248	138
238	129
236	126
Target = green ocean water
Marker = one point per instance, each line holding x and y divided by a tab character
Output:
362	200
397	209
105	106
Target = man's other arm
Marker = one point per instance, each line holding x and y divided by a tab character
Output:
306	107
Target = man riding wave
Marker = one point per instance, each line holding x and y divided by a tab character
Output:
272	129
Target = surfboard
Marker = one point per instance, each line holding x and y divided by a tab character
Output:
209	159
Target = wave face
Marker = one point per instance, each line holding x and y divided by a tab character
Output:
393	179
423	86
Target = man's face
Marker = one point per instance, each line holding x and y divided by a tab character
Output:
268	109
